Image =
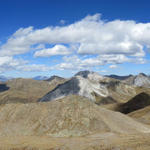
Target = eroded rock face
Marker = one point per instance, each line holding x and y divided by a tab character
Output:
62	90
141	80
83	74
90	75
79	86
71	116
92	86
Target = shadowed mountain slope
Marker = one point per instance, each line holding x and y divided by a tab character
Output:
139	101
3	87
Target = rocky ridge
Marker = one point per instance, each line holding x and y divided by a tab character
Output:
92	86
140	80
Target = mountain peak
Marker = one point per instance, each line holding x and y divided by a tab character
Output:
90	75
4	79
54	77
142	74
119	77
94	87
84	73
40	78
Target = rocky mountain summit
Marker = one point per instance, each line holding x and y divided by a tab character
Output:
56	78
90	75
92	86
40	78
140	80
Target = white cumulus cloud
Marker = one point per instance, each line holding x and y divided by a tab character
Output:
56	50
9	63
110	42
92	34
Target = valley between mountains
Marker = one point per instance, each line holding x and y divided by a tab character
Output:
85	112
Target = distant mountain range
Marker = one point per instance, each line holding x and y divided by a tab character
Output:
4	78
140	80
119	77
40	78
46	78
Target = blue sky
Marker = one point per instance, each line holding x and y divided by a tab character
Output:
47	37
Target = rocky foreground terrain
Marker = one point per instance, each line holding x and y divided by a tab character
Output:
69	124
71	116
85	112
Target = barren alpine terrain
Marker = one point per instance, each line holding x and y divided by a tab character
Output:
69	124
25	90
85	112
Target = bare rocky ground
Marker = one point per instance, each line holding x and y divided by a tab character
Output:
107	141
142	115
72	123
68	117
